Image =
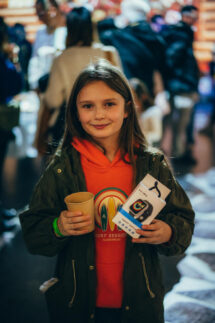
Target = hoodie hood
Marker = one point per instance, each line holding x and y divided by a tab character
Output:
93	157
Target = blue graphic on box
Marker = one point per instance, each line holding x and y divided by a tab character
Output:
130	218
141	209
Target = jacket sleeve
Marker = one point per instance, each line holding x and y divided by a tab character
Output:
178	213
46	204
175	54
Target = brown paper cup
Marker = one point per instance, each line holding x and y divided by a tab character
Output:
84	202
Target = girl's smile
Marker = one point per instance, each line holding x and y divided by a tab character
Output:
101	111
100	126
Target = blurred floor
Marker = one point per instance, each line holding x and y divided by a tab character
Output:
192	298
21	274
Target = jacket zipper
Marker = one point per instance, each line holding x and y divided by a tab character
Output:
146	276
74	278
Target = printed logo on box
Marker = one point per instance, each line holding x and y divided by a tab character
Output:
142	206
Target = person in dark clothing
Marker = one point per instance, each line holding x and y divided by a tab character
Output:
157	23
10	85
141	50
181	79
209	129
10	77
17	35
212	75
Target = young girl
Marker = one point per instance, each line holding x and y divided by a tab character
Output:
105	275
80	51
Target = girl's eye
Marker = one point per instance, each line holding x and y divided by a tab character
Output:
110	104
87	106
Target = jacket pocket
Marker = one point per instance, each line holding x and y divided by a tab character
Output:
55	298
152	295
60	296
48	284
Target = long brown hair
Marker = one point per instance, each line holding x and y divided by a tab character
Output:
131	135
79	27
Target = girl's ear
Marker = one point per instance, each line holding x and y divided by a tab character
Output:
127	109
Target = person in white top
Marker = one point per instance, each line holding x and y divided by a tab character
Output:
49	41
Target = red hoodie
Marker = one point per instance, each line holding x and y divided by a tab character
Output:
111	182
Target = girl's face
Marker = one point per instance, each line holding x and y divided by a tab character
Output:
101	111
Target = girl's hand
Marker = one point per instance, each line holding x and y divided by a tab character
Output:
155	233
74	223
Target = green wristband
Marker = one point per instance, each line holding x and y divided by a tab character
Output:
56	229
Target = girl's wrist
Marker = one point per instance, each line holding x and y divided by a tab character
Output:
56	229
169	242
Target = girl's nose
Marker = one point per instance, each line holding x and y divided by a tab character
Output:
100	113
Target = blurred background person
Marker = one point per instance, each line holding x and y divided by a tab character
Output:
149	115
208	130
49	41
17	35
80	51
172	14
141	50
10	85
181	78
157	23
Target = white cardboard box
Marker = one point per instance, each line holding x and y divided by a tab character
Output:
142	206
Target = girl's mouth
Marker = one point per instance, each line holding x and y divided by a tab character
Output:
100	126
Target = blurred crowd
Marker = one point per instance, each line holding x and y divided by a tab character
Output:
155	52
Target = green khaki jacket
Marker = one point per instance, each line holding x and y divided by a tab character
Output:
72	295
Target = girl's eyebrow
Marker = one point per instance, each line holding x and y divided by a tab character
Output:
111	99
89	101
85	101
